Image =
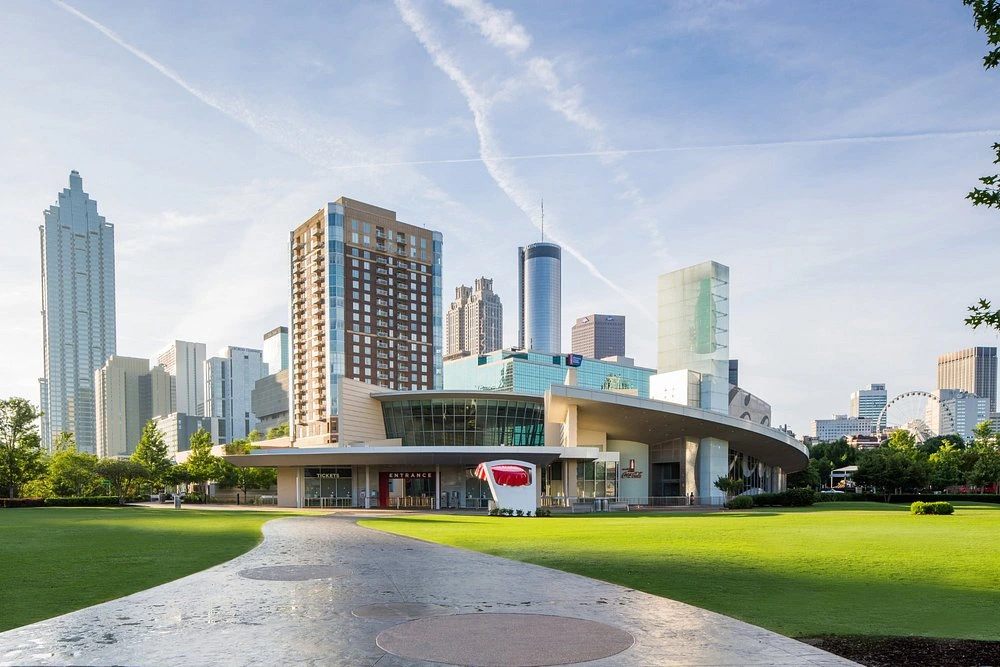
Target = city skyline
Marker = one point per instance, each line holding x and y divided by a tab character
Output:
886	157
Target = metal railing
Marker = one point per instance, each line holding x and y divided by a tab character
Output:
633	502
344	501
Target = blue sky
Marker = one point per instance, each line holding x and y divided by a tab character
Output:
820	149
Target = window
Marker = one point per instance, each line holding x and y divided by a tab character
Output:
368	228
356	285
367	240
354	239
355	273
354	225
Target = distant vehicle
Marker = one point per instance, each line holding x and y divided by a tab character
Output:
832	491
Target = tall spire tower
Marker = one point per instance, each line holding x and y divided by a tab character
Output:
78	313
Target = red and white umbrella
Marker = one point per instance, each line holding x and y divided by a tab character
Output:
505	474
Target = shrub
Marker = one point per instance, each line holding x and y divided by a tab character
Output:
494	511
22	502
543	511
192	498
740	503
800	497
87	501
918	507
528	513
518	512
940	507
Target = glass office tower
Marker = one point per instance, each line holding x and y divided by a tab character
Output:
540	298
78	313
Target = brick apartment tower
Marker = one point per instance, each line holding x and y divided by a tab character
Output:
365	305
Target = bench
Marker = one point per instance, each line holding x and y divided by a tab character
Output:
581	507
618	507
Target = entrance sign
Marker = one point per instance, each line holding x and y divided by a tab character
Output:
411	475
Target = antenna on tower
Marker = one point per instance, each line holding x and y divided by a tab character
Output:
543	219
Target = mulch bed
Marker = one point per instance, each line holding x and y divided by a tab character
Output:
911	651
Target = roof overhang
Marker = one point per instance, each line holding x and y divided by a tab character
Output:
393	396
625	417
360	455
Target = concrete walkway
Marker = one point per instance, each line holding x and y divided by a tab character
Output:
321	590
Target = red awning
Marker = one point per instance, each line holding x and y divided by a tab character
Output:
505	475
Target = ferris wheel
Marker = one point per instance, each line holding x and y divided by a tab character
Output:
919	412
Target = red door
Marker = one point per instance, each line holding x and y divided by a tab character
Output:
383	489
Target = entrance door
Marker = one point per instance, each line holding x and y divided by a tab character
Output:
383	489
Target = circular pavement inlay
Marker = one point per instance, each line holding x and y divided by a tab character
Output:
401	611
290	572
504	640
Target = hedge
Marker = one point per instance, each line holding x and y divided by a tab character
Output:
911	497
22	502
789	498
932	508
740	503
87	501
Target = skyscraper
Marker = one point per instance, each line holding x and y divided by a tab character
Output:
973	370
540	297
868	402
599	336
229	382
186	362
366	305
276	350
129	394
474	321
78	313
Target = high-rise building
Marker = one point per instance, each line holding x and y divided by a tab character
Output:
973	370
868	402
129	394
599	336
474	321
229	381
956	412
269	401
841	426
734	372
177	429
276	350
539	269
78	313
366	305
186	362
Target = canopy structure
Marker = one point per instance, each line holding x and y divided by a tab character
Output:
504	474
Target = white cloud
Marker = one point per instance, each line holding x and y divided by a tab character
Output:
498	26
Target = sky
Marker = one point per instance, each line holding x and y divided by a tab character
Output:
822	150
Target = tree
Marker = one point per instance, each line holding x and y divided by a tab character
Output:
124	476
729	486
891	470
152	452
177	475
903	441
201	463
983	436
987	469
21	456
986	14
279	431
72	473
811	477
946	467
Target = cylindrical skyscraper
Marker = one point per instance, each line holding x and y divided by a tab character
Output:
540	297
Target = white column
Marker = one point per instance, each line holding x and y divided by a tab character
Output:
713	463
437	486
367	489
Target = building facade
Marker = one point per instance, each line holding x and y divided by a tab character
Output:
956	412
868	402
842	426
531	373
229	381
474	321
177	429
276	350
269	401
599	336
539	269
129	394
366	304
186	362
78	313
973	370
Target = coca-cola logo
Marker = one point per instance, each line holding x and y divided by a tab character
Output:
631	472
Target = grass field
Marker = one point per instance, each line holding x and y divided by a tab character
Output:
55	560
840	569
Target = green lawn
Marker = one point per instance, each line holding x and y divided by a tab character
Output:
55	559
837	568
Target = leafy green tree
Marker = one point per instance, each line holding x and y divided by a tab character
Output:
986	15
152	452
124	476
178	475
810	477
72	473
729	486
931	445
987	469
279	431
838	453
983	436
946	467
21	456
891	470
903	441
201	463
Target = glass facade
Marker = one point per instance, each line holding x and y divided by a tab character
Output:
693	320
596	479
487	422
328	487
533	372
335	289
540	268
437	315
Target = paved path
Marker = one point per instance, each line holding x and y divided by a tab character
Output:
321	590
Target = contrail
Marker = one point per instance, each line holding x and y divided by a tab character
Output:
826	141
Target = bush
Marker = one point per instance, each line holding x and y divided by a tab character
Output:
800	497
940	507
88	501
192	498
543	511
518	512
789	498
740	503
22	502
494	511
